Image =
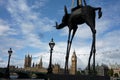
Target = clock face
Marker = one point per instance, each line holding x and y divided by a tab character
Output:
73	58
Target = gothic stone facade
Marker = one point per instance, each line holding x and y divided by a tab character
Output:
56	68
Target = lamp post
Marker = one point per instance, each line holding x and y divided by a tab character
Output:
7	70
51	44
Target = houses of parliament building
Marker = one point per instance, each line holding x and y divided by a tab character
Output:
56	67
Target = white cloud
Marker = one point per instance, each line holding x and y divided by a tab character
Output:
38	4
57	58
5	29
107	39
30	23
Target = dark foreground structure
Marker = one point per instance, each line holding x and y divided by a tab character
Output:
77	77
41	76
64	77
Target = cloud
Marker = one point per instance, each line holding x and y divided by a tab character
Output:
38	4
107	36
26	26
29	23
5	29
57	58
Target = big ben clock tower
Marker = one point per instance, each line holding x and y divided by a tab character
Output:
73	69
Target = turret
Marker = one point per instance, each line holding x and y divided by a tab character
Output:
27	61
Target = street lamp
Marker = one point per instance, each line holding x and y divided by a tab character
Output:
7	70
51	44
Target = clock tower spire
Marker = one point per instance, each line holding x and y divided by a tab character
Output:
73	69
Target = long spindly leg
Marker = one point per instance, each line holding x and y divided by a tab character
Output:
70	38
90	21
91	52
94	51
67	54
73	34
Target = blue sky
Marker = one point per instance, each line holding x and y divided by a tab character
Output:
27	27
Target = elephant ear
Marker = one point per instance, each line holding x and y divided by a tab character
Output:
65	10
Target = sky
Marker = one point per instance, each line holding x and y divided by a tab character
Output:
27	27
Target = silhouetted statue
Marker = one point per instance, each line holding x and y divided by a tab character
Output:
78	16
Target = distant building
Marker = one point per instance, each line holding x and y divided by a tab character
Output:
56	68
116	68
35	67
12	67
28	60
102	70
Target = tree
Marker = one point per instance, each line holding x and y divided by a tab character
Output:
78	72
110	72
116	75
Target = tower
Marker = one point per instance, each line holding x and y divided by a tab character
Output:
40	63
73	69
27	61
56	68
